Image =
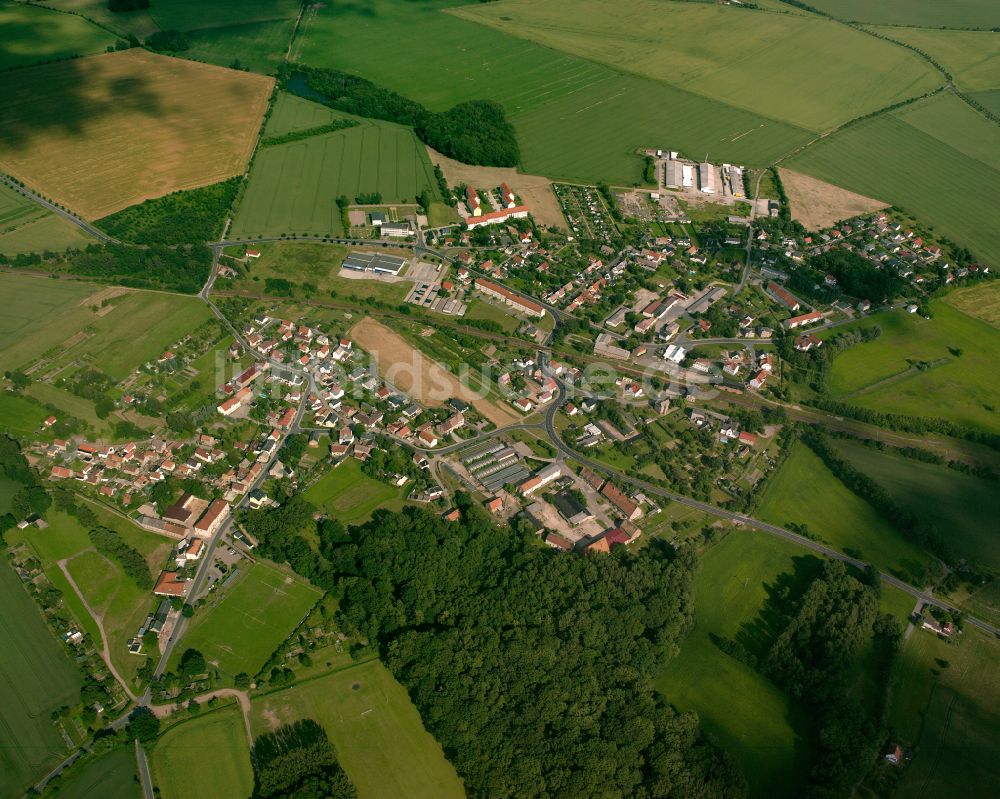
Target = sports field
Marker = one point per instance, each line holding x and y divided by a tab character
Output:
294	187
957	150
701	57
348	494
32	34
553	98
110	776
55	320
37	678
380	740
805	492
960	381
101	133
972	57
764	730
925	13
210	751
946	702
965	509
243	623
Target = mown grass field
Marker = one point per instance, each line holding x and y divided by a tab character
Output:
630	35
210	751
924	13
110	776
961	385
294	187
100	133
21	416
318	264
552	98
32	34
56	320
480	309
764	730
804	491
965	509
982	302
38	678
946	703
186	15
972	57
348	494
957	150
121	605
244	623
381	741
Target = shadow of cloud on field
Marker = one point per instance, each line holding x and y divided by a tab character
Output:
68	97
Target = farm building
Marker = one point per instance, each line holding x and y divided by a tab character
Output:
374	262
673	174
706	178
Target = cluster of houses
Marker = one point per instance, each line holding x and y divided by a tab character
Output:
501	210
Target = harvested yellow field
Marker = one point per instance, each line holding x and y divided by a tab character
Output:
413	373
101	133
817	204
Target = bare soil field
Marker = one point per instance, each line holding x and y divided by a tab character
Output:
414	373
101	133
535	190
817	204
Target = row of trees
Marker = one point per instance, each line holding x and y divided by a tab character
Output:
475	132
110	543
297	761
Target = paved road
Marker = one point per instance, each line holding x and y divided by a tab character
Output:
742	519
144	776
80	223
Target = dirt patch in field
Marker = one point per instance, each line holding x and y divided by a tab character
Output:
104	294
98	134
817	204
414	373
534	190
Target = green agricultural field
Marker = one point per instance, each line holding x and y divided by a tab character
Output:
742	711
981	301
972	57
348	494
946	704
925	13
989	100
292	113
805	492
965	509
47	232
960	382
294	187
701	56
38	678
952	189
32	34
244	622
259	46
110	776
381	741
210	751
553	98
56	321
187	15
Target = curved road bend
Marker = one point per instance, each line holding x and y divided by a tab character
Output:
743	519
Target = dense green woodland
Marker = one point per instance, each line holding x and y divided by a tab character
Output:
184	217
475	132
532	668
297	761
